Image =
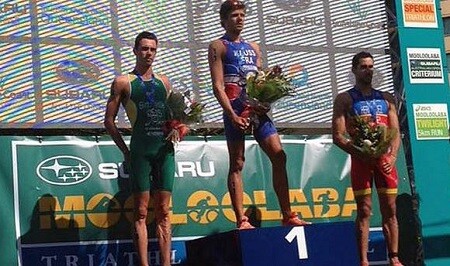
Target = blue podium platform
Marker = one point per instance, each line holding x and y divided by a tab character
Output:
312	245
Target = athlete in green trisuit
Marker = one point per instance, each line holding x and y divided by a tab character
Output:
143	94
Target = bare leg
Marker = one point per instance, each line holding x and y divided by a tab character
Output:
235	186
272	147
390	226
140	236
364	209
163	226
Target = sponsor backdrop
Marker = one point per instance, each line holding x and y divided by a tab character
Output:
427	97
66	200
58	58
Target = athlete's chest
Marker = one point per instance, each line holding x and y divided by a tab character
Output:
370	106
150	92
240	53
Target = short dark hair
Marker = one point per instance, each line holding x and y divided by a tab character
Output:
229	6
358	56
144	35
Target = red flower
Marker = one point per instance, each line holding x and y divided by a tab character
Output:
183	130
173	124
277	71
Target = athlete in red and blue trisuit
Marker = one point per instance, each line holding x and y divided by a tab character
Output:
379	108
373	107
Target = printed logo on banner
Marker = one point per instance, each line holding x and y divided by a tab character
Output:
290	5
431	121
110	253
425	65
203	207
355	7
305	97
14	94
419	13
8	8
76	94
301	75
64	14
10	13
88	212
77	71
214	7
64	170
360	21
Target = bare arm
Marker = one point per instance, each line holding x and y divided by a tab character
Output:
216	52
340	110
119	89
393	124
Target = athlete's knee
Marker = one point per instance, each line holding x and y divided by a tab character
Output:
162	212
364	210
141	213
162	215
388	211
387	205
237	164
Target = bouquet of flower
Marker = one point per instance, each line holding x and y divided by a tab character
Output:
370	138
268	86
184	111
263	89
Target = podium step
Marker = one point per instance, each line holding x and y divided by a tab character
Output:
312	245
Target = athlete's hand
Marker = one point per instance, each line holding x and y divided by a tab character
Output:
173	136
240	122
386	163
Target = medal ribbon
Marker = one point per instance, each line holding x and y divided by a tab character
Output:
148	90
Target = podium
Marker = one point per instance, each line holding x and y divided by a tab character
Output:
313	245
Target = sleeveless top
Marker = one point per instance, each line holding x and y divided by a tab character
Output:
240	59
373	107
147	108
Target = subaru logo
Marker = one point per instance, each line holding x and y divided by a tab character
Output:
64	170
214	6
77	71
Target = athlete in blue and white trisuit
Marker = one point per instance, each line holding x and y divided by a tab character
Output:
239	60
230	60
